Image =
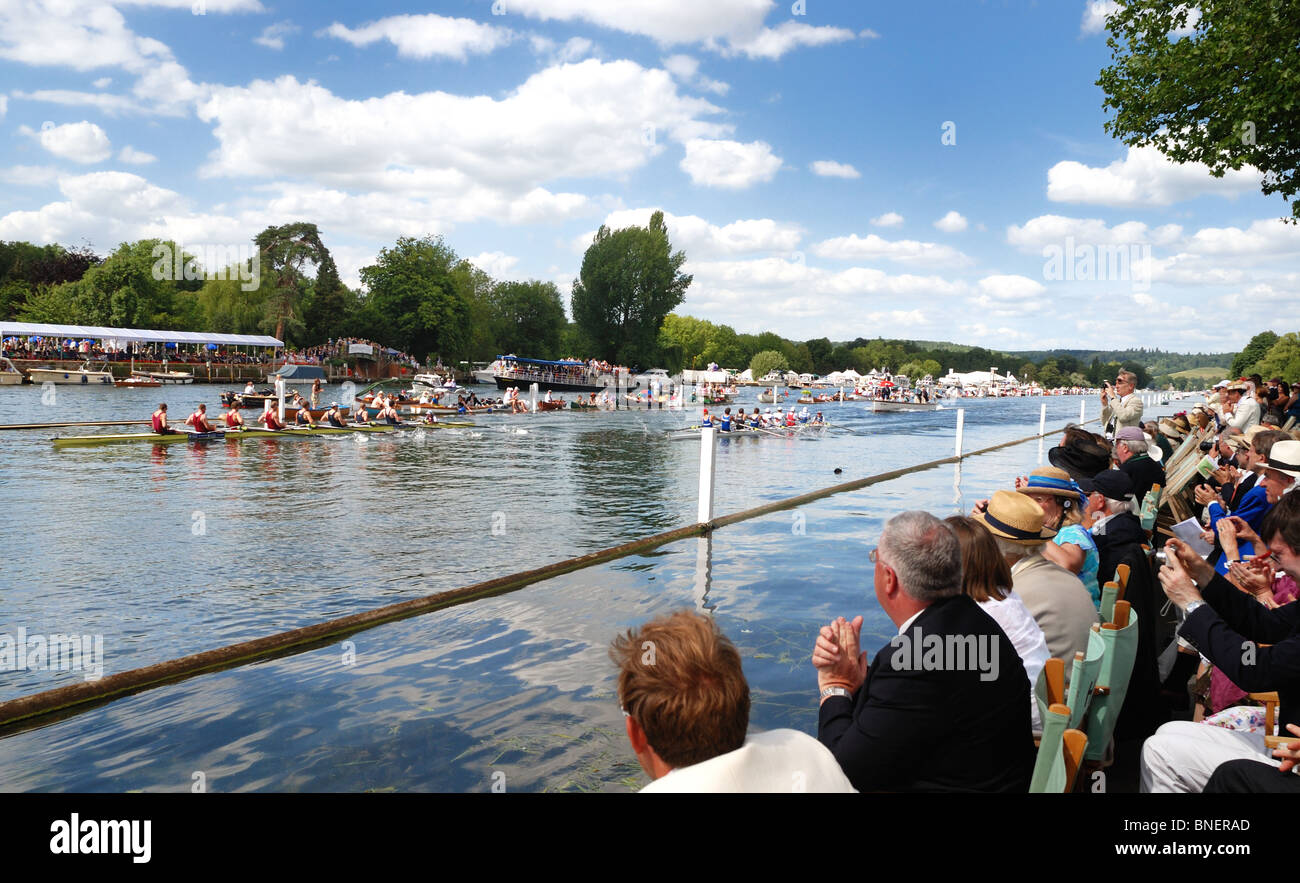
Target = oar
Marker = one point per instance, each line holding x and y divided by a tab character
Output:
81	423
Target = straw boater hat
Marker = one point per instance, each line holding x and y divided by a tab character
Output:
1285	458
1171	429
1057	482
1015	517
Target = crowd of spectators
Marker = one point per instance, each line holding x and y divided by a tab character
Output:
338	348
1014	584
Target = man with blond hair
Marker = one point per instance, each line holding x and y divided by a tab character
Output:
686	704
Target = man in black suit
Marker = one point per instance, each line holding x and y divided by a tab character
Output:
950	673
1132	453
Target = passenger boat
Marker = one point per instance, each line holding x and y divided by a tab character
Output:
86	374
165	376
561	376
217	435
9	373
137	383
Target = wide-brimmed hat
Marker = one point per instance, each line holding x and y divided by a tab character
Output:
1285	457
1015	517
1170	428
1054	481
1236	386
1237	441
1111	484
1080	459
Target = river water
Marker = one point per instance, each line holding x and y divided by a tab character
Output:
172	549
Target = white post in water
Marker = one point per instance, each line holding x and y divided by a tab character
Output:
961	423
532	393
1042	418
708	440
1082	404
279	394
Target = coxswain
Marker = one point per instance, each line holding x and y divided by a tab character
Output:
159	420
334	417
233	420
199	420
725	425
818	420
270	420
706	421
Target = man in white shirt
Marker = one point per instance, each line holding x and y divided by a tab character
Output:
686	703
1242	411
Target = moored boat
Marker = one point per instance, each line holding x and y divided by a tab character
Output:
9	373
86	374
165	376
887	405
137	383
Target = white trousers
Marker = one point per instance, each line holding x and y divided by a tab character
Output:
1182	755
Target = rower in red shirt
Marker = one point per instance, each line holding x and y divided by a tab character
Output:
159	420
270	420
233	418
199	420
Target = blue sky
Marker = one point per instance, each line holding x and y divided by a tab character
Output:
933	170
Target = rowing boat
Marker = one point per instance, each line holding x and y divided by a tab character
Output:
691	432
217	435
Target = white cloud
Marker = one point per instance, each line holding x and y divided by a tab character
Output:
103	82
873	247
112	105
574	49
830	169
687	71
4	105
427	36
1268	238
29	176
730	165
1053	230
772	43
496	264
1014	288
135	157
82	142
730	27
952	222
701	239
1144	177
1094	16
888	219
272	36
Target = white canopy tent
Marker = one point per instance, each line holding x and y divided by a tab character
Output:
97	332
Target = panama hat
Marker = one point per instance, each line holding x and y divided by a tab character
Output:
1054	481
1285	458
1170	429
1015	517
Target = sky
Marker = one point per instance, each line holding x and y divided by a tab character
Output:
925	170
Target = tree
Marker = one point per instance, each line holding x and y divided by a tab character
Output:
1281	360
1223	95
820	348
629	281
284	252
1258	347
767	361
529	318
414	301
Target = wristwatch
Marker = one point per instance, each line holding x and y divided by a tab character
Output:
836	691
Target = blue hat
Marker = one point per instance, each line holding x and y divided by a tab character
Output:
1054	481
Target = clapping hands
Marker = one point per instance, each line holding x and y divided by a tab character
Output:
837	655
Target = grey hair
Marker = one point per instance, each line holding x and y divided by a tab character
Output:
1114	507
925	554
1135	446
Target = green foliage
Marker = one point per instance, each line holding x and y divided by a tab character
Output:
767	361
415	303
916	370
820	349
1259	345
1281	360
529	318
133	288
1223	96
284	252
630	280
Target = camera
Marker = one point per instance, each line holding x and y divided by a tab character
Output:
1207	446
1160	556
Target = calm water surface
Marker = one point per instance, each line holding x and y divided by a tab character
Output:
171	549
